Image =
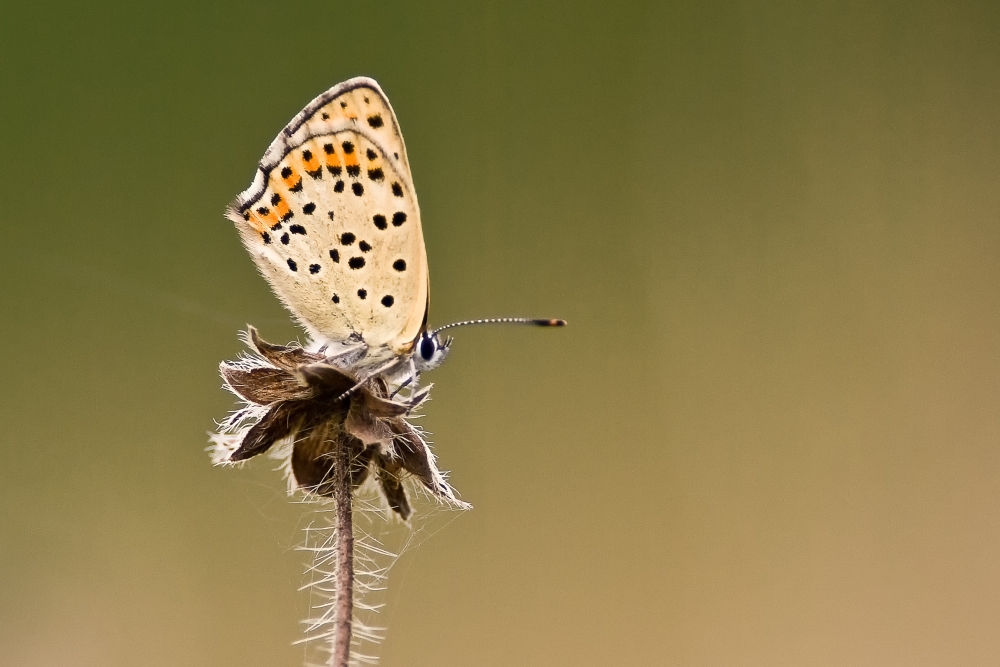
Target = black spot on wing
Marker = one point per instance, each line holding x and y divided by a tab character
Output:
356	262
314	268
275	199
339	187
347	238
297	229
284	239
335	299
358	189
398	218
266	237
348	147
376	174
292	265
397	189
372	155
362	293
380	221
309	208
399	265
364	247
335	255
387	300
375	121
286	172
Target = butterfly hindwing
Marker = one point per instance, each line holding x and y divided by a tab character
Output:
332	221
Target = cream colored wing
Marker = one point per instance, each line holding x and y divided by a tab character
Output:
332	222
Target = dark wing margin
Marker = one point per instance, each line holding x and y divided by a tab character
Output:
294	134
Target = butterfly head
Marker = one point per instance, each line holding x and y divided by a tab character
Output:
430	350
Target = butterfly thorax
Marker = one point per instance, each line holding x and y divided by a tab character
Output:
396	367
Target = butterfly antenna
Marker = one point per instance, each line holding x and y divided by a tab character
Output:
504	320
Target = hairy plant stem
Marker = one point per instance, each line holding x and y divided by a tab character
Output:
344	600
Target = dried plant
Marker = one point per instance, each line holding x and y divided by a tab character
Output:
334	432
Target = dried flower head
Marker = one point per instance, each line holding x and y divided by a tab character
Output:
314	402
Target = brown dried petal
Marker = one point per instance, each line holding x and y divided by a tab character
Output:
362	424
279	422
416	459
282	356
312	463
326	378
312	460
381	407
361	465
264	386
392	488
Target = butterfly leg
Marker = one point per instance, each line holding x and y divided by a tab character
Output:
417	396
400	387
414	376
411	379
348	356
379	370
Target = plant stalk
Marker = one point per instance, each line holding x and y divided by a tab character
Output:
345	555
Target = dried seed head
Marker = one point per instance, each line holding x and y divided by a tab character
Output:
292	397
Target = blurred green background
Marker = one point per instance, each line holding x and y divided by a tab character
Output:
769	435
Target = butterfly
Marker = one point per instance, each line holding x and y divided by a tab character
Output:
332	222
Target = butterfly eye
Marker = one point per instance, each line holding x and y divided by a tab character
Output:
428	347
430	352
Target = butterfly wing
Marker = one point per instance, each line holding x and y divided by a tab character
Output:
332	222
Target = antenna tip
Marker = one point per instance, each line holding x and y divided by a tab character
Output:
551	323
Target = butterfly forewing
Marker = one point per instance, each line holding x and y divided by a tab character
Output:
332	221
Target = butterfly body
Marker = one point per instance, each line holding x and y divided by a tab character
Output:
332	222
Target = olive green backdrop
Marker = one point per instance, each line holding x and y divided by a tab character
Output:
769	435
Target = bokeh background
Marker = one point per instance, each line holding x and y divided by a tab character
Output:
769	436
